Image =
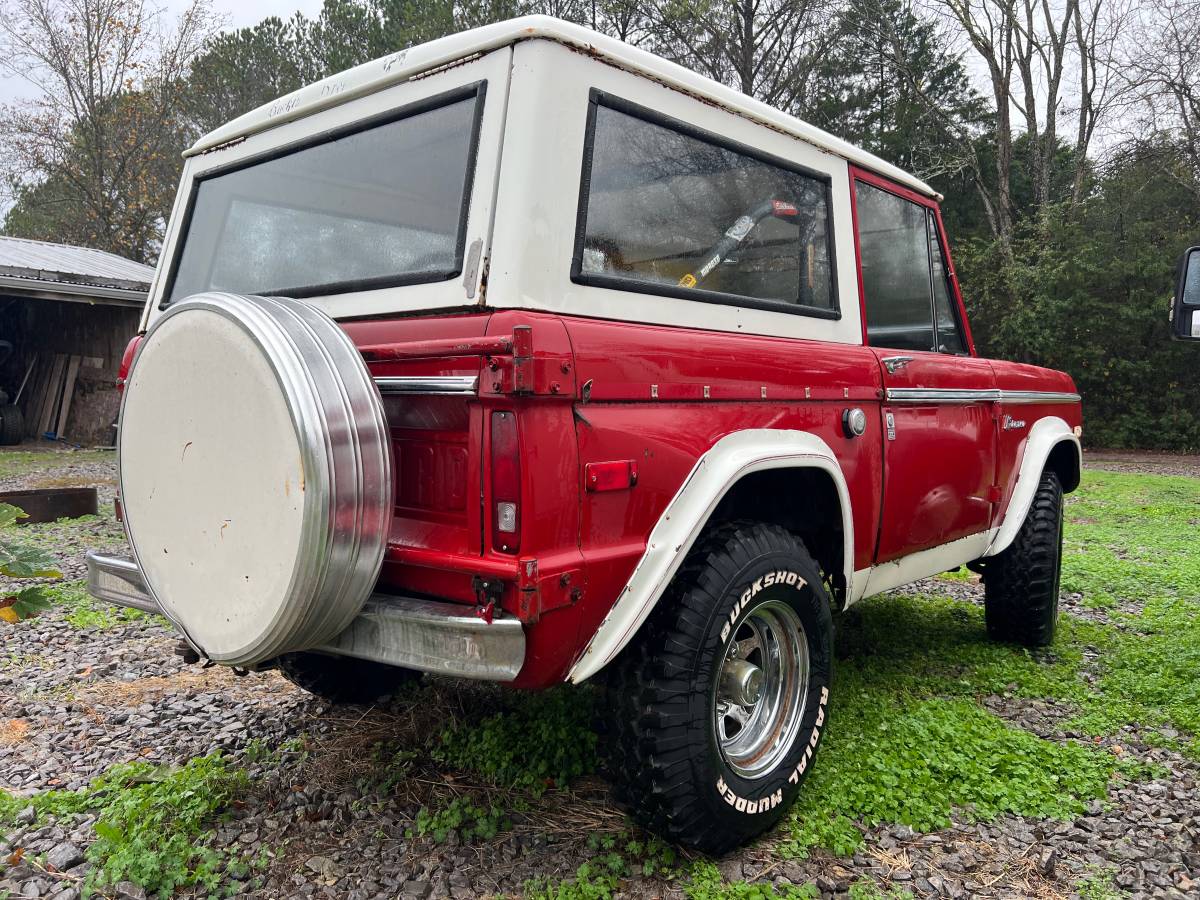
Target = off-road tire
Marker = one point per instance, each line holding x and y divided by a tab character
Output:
661	748
343	679
12	425
1021	583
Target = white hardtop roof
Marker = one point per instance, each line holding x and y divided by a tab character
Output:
402	65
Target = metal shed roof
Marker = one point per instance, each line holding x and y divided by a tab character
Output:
63	272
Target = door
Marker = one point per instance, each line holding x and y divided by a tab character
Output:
938	410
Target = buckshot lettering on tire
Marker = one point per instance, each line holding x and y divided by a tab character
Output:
507	361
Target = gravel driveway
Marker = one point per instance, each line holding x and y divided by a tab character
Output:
75	700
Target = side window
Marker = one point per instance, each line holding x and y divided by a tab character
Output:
668	210
905	279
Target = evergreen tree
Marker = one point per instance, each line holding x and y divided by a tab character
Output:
890	84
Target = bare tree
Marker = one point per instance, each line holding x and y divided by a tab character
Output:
94	159
989	26
928	71
1099	30
1164	74
764	48
1041	55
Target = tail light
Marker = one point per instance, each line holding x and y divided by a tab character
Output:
506	483
127	361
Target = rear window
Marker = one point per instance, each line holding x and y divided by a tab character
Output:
384	204
666	209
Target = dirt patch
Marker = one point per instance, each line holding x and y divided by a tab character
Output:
186	683
1142	462
13	731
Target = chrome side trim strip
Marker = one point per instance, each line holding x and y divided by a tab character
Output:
982	395
941	395
427	384
1038	397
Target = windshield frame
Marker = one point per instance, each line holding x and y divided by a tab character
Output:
476	90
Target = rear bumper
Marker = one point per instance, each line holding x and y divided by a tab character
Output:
401	631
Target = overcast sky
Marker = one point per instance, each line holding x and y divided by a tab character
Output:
237	13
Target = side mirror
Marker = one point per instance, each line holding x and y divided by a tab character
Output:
1185	312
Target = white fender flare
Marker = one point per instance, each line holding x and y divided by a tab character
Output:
726	462
1044	436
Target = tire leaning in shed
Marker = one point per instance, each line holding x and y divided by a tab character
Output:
12	425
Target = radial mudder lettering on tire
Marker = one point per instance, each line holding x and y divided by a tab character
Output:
719	710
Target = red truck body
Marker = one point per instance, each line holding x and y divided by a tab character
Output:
651	401
524	355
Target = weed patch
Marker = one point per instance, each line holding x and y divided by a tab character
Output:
470	821
85	612
706	884
592	881
1131	544
149	820
617	856
912	761
908	740
542	740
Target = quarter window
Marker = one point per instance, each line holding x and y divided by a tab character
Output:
668	210
906	284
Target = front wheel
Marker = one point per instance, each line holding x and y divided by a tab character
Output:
1021	583
718	708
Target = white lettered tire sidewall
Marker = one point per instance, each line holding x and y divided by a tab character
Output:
743	803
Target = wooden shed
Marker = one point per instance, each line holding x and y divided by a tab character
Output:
66	315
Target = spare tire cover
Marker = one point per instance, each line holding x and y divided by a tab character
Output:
255	474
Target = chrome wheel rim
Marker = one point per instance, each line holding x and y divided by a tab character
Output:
761	689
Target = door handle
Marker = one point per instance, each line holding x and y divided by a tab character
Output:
895	363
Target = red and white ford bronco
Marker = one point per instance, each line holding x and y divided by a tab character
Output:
525	355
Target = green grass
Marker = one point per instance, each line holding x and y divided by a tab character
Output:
150	821
618	856
24	462
1131	543
909	740
706	884
86	531
1098	885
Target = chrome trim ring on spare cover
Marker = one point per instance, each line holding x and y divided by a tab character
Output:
255	471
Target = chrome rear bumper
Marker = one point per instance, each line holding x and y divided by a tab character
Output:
401	631
118	580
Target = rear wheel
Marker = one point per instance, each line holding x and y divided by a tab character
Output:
1021	583
718	708
343	679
